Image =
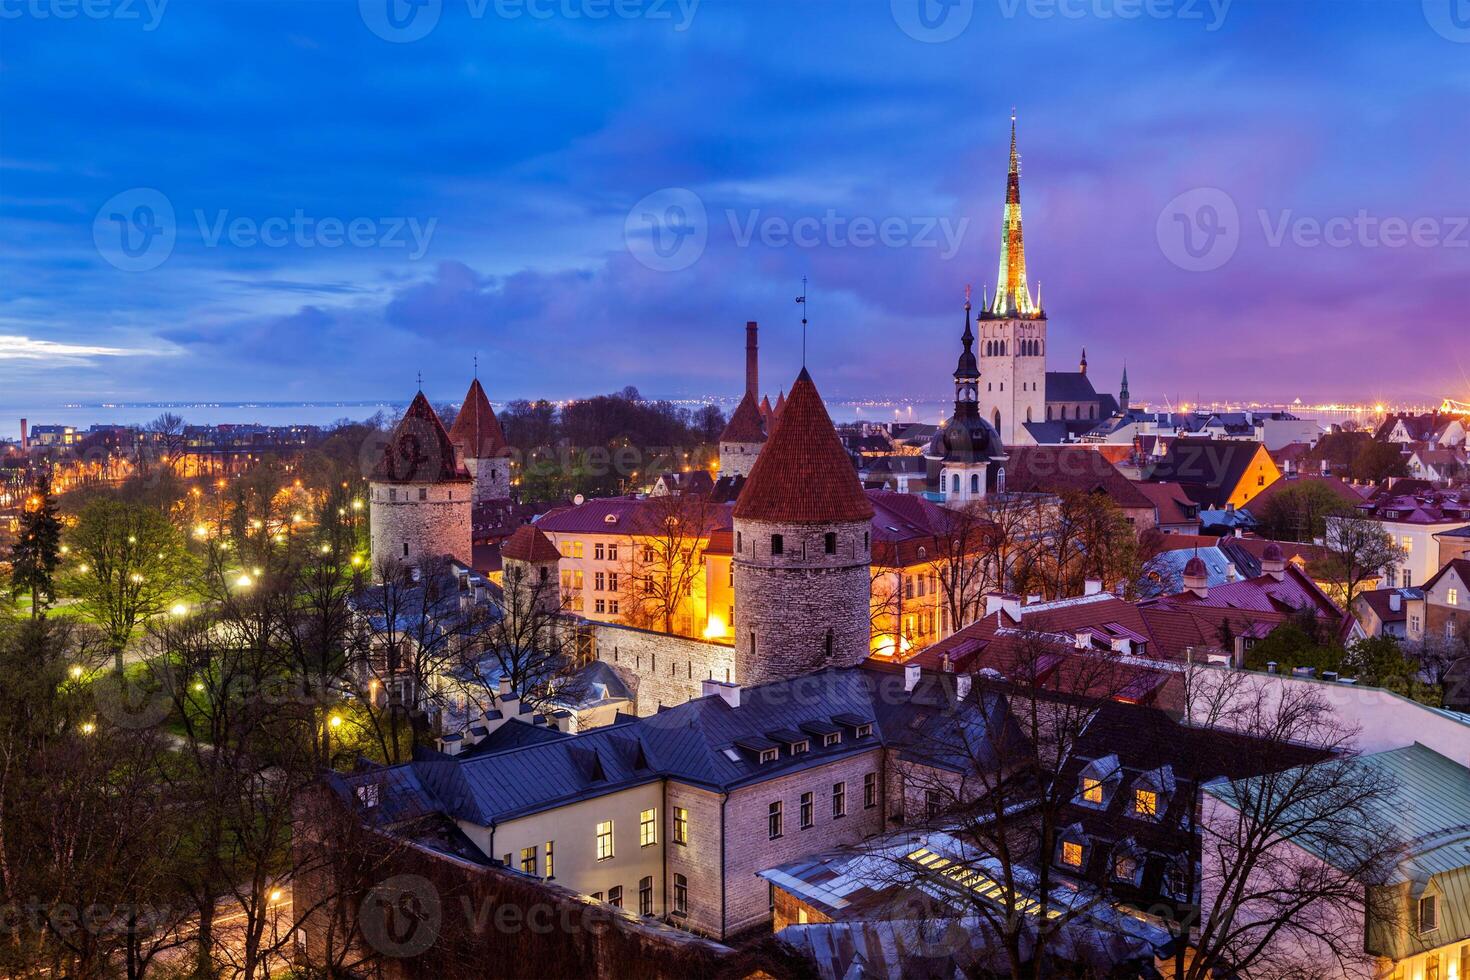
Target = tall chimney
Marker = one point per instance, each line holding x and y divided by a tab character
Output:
25	437
752	362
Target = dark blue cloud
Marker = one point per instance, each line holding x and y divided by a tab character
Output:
519	145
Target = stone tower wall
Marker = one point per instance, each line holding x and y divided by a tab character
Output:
738	458
492	478
414	521
1012	383
786	604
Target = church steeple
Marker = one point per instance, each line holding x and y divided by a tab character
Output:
966	371
1123	392
1012	296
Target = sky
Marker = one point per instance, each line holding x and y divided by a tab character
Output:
239	199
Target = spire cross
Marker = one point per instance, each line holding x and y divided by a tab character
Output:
421	381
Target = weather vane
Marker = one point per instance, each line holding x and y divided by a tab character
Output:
802	300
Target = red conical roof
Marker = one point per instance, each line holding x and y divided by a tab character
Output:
529	544
780	405
803	475
745	425
476	433
419	450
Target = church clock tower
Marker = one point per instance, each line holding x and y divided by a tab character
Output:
1012	340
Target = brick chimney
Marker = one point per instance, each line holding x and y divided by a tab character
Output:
752	362
25	436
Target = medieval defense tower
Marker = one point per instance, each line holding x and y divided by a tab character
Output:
419	494
802	550
481	446
1012	330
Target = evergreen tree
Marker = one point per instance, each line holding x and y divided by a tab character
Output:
37	549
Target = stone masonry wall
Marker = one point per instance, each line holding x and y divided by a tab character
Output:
661	669
699	860
737	458
436	525
786	604
748	847
492	478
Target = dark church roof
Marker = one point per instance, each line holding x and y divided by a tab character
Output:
476	433
745	424
1069	386
803	476
419	450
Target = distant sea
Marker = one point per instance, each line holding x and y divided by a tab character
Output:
325	413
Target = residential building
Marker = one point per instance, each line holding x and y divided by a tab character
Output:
1390	612
1217	473
1415	518
673	815
1447	603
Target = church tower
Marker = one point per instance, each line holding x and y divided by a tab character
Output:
1012	339
803	530
966	458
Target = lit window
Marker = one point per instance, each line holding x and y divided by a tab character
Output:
1452	597
647	828
773	821
806	810
681	825
1408	544
1092	789
1072	854
549	870
681	895
528	859
604	840
1145	803
1125	867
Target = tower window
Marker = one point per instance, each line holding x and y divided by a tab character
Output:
405	549
974	482
829	543
778	544
955	483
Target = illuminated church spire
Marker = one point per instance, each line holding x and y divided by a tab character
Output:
1012	297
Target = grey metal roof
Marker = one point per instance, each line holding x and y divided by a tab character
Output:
1069	386
689	742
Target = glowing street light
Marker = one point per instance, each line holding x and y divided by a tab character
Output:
76	672
88	728
179	609
335	721
243	582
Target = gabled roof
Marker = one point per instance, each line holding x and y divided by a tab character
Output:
1053	469
745	424
530	544
419	450
1460	566
803	476
476	433
1070	386
1209	469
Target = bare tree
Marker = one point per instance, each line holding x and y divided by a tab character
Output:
663	559
1358	550
985	776
412	628
971	557
522	644
166	433
1290	856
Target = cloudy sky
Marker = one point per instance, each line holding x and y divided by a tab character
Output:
319	199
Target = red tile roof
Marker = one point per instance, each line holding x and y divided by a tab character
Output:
419	450
745	424
1054	469
625	516
803	476
476	433
1171	501
529	543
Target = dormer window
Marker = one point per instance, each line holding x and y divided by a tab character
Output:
797	748
1145	803
1092	790
367	794
1428	914
769	755
1098	781
831	739
862	731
